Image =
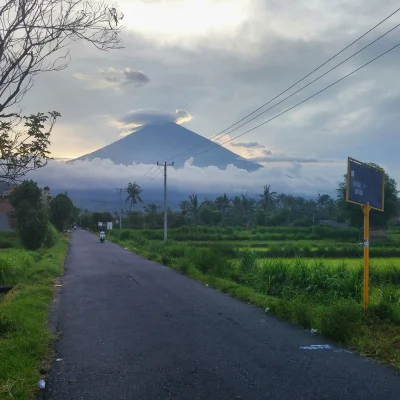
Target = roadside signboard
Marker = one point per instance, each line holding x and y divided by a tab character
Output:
365	184
366	187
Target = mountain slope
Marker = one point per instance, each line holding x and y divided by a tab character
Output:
159	142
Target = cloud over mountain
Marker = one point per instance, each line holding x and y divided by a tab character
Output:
292	178
137	118
113	78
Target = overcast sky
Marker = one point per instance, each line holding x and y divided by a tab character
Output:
217	61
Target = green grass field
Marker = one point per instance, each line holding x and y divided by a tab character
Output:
24	338
312	283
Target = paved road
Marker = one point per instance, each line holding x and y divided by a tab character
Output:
132	329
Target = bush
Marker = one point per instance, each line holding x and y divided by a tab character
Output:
52	236
32	225
248	263
125	235
211	261
340	320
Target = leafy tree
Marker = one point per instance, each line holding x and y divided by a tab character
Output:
134	191
31	216
353	212
24	150
35	35
61	211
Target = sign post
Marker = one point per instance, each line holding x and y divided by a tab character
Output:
365	187
366	210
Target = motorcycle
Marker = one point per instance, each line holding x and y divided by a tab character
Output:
102	237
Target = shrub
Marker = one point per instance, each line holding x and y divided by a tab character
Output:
125	235
340	320
211	261
52	236
32	225
248	262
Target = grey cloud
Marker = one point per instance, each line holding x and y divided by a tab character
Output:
220	85
248	145
288	159
111	77
138	78
153	116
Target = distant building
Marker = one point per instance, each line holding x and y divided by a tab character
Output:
6	223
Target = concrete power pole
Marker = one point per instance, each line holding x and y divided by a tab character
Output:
120	205
165	198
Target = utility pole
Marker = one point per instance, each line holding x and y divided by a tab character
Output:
165	197
120	205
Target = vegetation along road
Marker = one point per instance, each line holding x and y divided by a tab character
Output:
131	328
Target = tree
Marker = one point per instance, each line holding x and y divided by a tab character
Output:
24	150
134	191
268	198
61	211
194	207
30	213
35	35
185	208
222	203
353	213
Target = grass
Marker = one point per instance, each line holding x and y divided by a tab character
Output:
24	337
321	293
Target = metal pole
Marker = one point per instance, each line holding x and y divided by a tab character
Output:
366	210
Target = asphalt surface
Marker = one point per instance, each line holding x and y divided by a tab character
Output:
133	329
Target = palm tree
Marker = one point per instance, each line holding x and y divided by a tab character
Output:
185	207
134	191
222	203
151	208
268	198
194	207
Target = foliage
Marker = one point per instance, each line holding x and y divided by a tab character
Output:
37	41
32	225
52	236
133	191
61	211
24	336
30	213
24	150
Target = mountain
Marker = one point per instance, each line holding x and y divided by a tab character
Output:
159	142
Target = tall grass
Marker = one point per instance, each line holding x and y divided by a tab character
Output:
24	336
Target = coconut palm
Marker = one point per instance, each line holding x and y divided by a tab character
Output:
268	198
134	191
194	207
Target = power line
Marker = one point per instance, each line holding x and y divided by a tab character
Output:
290	87
308	98
308	84
146	173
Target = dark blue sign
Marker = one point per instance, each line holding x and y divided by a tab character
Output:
365	185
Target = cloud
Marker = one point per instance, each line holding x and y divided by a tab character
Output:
104	174
222	75
112	78
135	119
248	145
